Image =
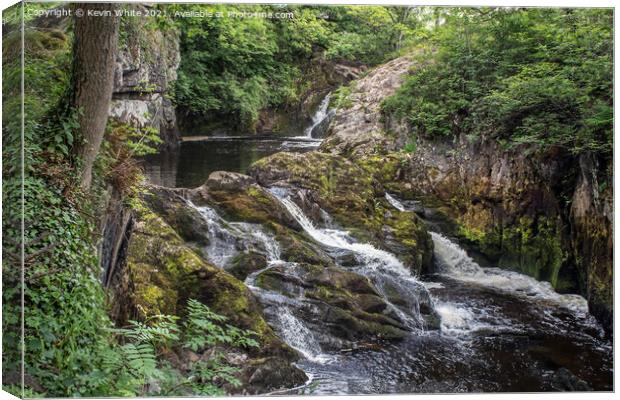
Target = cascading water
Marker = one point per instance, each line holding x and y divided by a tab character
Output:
225	241
381	267
483	312
318	117
455	262
395	203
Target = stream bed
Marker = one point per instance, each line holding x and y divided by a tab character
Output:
499	331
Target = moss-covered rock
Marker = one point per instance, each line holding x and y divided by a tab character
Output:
349	305
170	205
164	273
240	198
353	195
243	264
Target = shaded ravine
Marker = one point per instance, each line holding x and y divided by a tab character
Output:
191	163
500	330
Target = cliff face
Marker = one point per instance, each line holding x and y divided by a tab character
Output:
358	128
545	214
591	221
146	67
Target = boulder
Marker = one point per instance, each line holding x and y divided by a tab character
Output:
228	181
171	206
343	307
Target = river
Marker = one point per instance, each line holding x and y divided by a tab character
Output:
499	330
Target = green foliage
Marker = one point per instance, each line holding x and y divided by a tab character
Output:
139	141
203	328
411	147
135	363
232	68
371	35
530	77
205	375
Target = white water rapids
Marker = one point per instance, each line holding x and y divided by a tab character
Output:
471	302
454	262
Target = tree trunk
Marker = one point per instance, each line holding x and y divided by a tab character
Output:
94	57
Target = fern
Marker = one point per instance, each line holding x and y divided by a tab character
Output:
204	327
129	367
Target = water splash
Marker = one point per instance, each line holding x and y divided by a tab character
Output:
454	262
227	239
223	241
297	335
387	272
369	255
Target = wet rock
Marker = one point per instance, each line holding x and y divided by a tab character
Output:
185	220
345	306
272	374
245	263
347	259
161	273
565	381
239	198
228	181
295	249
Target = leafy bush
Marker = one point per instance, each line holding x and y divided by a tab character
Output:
535	77
136	363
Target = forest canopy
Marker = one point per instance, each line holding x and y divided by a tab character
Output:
233	68
535	76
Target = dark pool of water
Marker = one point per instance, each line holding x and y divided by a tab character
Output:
191	164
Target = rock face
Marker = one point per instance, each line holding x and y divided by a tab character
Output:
504	202
534	212
591	219
542	214
357	127
145	69
321	77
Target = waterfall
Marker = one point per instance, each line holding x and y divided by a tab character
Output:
381	267
452	259
318	117
227	239
454	262
297	335
222	245
370	256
